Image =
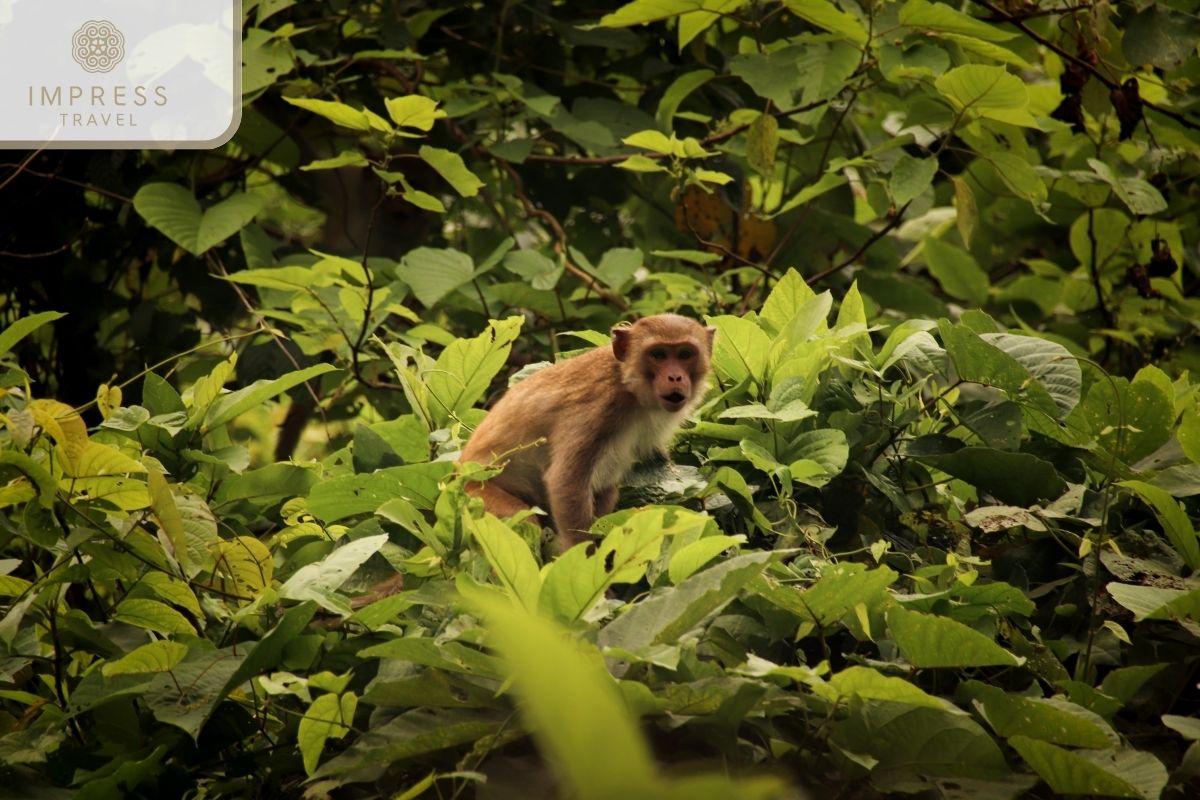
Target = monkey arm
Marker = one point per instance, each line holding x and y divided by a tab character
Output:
605	500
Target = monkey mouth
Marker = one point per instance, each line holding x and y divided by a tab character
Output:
674	400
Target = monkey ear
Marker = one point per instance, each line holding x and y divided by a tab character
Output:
620	343
712	332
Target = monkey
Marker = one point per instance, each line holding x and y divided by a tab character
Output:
566	435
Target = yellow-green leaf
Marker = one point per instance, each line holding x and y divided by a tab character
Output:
161	656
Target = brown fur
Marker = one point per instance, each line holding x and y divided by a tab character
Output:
567	434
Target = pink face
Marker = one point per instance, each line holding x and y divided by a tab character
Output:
669	368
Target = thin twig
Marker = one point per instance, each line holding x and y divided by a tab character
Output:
892	224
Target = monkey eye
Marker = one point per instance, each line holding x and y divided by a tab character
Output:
658	353
684	353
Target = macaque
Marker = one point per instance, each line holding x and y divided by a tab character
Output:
567	434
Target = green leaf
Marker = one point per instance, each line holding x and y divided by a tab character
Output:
966	210
174	211
1129	419
868	684
677	92
1109	229
329	717
411	736
341	114
317	582
1054	721
1019	479
694	23
449	656
787	297
1155	602
346	158
153	616
465	369
841	587
978	361
827	16
666	616
567	695
512	563
1066	772
577	579
451	167
1173	518
1019	176
1138	196
1160	35
930	641
774	76
413	111
910	177
23	327
160	656
906	741
641	12
740	350
690	558
538	270
818	456
638	163
1189	432
826	183
433	273
928	17
243	567
958	273
987	92
347	495
229	407
170	521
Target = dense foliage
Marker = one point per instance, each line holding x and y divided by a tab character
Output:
930	533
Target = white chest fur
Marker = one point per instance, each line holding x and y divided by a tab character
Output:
648	431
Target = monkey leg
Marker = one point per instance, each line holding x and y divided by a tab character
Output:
496	500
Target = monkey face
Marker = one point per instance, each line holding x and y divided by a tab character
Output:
669	368
664	360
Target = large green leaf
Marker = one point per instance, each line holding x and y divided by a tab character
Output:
669	614
317	582
826	15
567	697
432	273
1173	518
957	271
175	212
932	641
465	369
451	167
986	91
1123	774
511	560
347	495
1054	721
942	18
1020	479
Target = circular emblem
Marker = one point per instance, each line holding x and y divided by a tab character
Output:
98	46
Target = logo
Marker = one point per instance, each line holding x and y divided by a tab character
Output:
98	45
